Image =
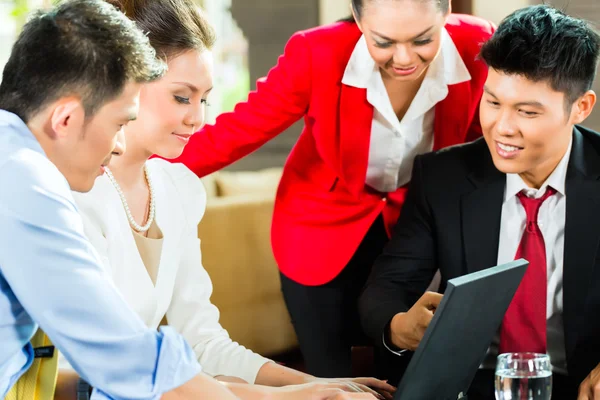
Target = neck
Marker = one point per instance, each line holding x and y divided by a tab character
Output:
536	177
39	127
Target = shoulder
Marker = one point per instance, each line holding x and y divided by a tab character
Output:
183	186
592	136
465	27
468	34
30	180
454	162
329	45
345	32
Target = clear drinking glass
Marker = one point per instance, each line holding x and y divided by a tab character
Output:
523	376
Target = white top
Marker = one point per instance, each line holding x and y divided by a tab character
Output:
395	144
183	287
551	220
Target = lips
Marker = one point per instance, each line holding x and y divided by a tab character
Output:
184	137
404	71
508	151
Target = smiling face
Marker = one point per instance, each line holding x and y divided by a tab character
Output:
526	126
173	108
403	37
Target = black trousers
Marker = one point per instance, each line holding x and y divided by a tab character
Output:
325	317
482	387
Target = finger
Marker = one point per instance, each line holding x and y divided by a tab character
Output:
335	394
352	396
596	391
346	386
367	389
375	383
387	395
432	300
584	391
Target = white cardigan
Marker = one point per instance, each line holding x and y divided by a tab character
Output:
183	287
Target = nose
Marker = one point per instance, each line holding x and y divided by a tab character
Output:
402	56
505	125
194	119
120	146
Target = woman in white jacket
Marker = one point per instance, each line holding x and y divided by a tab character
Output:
142	215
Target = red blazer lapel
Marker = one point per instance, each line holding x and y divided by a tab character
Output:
452	116
356	116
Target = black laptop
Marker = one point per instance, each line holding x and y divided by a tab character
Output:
460	333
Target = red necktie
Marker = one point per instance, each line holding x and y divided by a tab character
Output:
524	324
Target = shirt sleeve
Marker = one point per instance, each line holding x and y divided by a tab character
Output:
191	311
57	276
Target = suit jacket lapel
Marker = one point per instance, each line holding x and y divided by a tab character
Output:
582	234
481	210
356	116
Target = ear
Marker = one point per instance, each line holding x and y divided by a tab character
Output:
583	107
67	116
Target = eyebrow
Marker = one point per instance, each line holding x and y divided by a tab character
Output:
193	88
413	38
531	103
189	85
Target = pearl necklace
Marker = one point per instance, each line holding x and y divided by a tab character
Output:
137	227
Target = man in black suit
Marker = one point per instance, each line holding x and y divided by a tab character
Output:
469	208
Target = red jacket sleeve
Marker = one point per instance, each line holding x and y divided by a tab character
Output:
475	131
280	99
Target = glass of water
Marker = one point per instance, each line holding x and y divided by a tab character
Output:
523	376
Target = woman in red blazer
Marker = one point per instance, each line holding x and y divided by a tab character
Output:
403	80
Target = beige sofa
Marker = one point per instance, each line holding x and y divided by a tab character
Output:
236	252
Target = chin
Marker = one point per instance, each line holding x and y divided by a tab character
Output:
82	187
508	166
170	152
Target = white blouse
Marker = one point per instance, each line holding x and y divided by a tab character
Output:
395	144
183	288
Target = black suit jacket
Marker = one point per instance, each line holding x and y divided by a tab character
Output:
451	222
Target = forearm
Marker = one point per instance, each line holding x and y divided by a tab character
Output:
66	385
202	387
273	374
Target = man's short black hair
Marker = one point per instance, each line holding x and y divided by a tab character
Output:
84	48
542	43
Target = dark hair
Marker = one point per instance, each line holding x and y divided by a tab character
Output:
359	5
85	48
542	43
173	26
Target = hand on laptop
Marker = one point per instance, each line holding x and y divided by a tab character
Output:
322	391
377	387
407	329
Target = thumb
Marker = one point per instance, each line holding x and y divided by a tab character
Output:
432	300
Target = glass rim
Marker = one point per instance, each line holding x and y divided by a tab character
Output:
524	354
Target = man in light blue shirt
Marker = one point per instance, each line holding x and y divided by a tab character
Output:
71	84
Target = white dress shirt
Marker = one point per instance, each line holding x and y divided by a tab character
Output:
395	144
551	220
183	288
52	276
